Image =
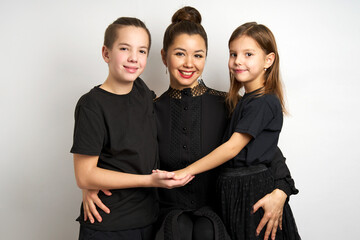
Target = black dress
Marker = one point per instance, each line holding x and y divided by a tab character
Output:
246	178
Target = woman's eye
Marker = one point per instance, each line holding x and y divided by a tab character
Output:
199	56
248	54
143	52
233	55
179	54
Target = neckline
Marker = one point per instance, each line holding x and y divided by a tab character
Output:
255	92
196	91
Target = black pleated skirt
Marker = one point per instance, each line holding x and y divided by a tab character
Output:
238	189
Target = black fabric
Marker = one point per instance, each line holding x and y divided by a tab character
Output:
121	130
195	228
145	233
262	118
190	124
238	189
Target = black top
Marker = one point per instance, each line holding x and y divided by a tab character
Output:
261	117
121	130
191	123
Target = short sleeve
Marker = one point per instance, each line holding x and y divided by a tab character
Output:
255	116
89	132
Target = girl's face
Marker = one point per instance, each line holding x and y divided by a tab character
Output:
127	58
248	62
185	60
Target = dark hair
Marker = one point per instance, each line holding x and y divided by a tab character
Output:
111	31
266	40
185	20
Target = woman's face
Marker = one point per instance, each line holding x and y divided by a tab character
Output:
185	60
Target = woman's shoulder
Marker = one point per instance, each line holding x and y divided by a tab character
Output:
214	92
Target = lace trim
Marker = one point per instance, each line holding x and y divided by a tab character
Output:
196	91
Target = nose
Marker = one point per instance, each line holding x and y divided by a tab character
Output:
133	56
238	60
188	62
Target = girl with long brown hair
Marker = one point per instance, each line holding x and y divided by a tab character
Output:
251	137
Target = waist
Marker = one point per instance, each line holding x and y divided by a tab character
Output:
243	171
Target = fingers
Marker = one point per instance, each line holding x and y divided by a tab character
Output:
87	212
102	206
258	204
106	192
274	229
95	212
189	180
269	228
280	222
265	219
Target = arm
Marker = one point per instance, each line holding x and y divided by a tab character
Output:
220	155
281	173
89	176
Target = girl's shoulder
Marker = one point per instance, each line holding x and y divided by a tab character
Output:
268	100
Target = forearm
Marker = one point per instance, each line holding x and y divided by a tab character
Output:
89	176
98	178
220	155
281	173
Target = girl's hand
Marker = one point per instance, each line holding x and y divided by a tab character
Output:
167	180
179	174
273	205
90	199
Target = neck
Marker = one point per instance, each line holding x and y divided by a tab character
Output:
117	87
253	85
177	86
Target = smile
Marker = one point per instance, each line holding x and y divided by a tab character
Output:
130	69
186	74
239	70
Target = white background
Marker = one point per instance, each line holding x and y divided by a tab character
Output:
50	54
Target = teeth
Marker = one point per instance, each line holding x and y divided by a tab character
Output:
186	73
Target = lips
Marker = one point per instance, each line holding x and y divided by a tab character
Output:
239	70
186	74
131	69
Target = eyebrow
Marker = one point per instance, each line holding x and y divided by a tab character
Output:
126	44
185	50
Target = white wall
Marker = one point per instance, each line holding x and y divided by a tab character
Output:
51	55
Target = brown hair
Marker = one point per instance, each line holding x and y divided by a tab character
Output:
266	40
185	20
111	31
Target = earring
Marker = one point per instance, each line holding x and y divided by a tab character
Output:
265	69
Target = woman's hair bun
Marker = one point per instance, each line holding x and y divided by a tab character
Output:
187	14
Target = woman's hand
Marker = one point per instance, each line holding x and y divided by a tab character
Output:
90	201
273	205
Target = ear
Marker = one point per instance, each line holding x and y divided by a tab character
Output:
105	54
163	57
269	60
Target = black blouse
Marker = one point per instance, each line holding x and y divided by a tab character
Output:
190	123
